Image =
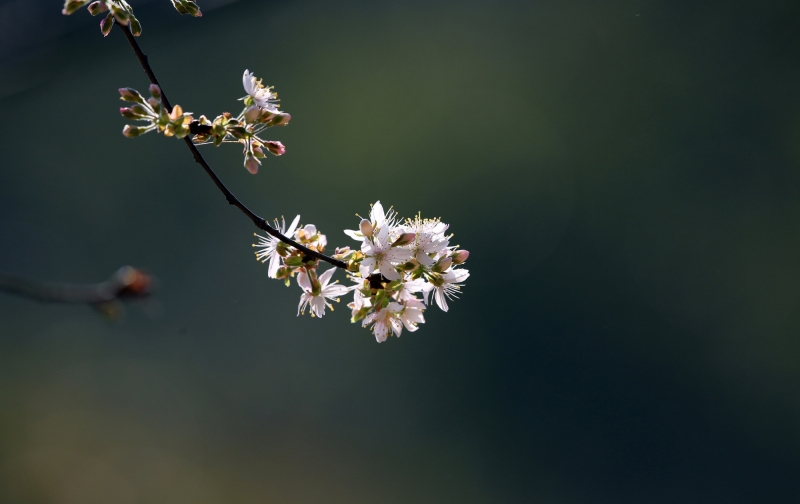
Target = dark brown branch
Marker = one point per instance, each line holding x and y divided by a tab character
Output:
125	283
233	200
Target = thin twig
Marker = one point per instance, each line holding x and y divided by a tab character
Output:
125	283
233	200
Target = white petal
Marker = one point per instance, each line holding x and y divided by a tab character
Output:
399	255
380	331
274	264
334	291
303	281
318	306
326	277
356	235
440	299
367	265
388	271
247	81
397	326
304	298
376	214
424	259
290	231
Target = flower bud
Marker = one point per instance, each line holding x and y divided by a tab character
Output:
73	5
443	264
252	164
136	28
404	239
281	119
131	95
366	227
460	257
133	131
96	8
276	148
128	113
155	91
106	24
252	113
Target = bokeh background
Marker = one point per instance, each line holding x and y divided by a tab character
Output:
626	175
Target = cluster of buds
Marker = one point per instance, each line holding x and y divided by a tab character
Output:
121	12
187	7
118	10
260	112
397	272
173	122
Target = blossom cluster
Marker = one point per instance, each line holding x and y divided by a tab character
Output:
399	269
260	112
121	12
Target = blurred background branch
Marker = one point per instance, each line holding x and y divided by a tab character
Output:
126	283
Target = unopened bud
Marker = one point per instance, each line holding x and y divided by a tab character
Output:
128	113
281	119
252	113
136	28
72	5
155	91
443	264
106	24
366	227
96	8
130	94
409	266
132	131
460	257
404	239
276	148
252	164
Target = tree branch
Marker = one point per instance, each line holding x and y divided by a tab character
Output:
125	283
233	200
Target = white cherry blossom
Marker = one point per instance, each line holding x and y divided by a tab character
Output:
380	255
318	302
445	286
268	245
264	97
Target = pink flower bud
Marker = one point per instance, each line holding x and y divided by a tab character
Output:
276	148
155	91
252	164
460	257
106	24
443	264
131	95
366	227
96	8
404	239
252	113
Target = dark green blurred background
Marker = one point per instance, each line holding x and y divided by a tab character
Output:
625	174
